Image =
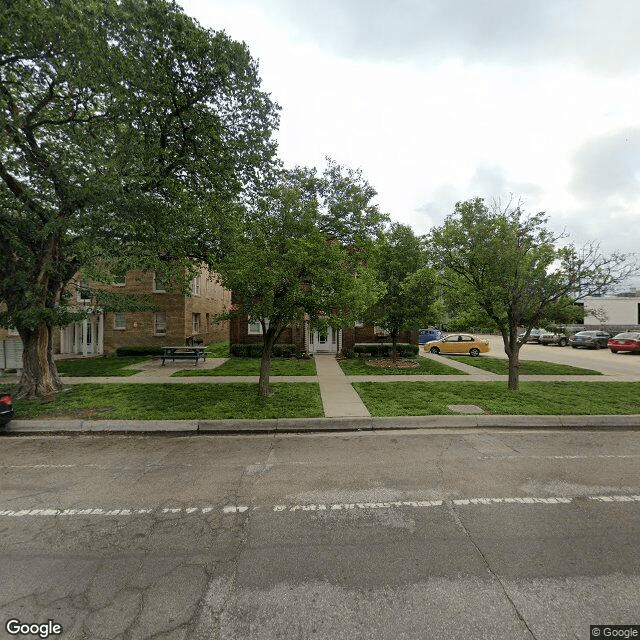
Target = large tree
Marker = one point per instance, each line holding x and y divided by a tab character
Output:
126	129
301	254
509	264
401	266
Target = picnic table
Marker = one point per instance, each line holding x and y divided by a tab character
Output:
184	353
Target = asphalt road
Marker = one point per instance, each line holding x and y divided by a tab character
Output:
404	535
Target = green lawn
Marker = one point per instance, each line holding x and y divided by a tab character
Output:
426	366
177	402
251	367
527	367
535	398
218	349
103	366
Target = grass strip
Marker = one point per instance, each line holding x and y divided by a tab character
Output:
176	402
103	366
218	349
426	366
527	367
533	398
251	367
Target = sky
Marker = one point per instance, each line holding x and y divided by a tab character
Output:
439	101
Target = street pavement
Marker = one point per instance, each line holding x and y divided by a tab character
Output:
412	535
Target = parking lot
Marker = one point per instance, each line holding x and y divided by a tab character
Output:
620	364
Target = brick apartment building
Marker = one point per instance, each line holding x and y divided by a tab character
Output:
178	317
334	340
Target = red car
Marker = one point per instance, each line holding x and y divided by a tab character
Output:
629	341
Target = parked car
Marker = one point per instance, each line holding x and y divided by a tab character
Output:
628	341
426	335
534	335
6	407
458	343
558	337
590	339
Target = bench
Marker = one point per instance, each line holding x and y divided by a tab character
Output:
183	353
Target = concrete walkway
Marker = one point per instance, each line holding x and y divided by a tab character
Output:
339	398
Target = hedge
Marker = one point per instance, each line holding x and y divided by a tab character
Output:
255	350
139	351
404	349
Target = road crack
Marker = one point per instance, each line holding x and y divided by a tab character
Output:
456	518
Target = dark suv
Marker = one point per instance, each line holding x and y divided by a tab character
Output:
590	339
427	335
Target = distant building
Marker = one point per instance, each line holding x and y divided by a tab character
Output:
614	311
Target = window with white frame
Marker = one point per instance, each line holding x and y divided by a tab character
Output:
158	283
255	328
160	323
12	331
120	321
195	322
359	324
195	286
379	331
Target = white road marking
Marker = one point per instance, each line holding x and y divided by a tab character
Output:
310	508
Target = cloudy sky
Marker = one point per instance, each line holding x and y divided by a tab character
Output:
443	100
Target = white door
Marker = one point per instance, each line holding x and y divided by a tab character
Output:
323	341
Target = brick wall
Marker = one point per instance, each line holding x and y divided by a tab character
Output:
239	334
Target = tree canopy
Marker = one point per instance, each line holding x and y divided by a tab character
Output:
509	264
126	129
301	253
400	264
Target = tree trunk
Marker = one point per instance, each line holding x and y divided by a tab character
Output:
394	352
512	349
265	364
40	377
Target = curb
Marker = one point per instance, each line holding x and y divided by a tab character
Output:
319	425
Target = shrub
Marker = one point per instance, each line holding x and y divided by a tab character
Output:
139	351
255	350
384	350
239	350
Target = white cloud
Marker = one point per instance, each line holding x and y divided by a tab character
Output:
441	101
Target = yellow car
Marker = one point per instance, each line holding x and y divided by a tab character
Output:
458	343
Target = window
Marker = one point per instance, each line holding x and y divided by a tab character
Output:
359	324
379	331
195	321
12	331
120	278
158	283
119	321
195	286
255	328
160	323
84	292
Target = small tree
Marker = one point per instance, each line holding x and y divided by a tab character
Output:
301	255
507	263
400	264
